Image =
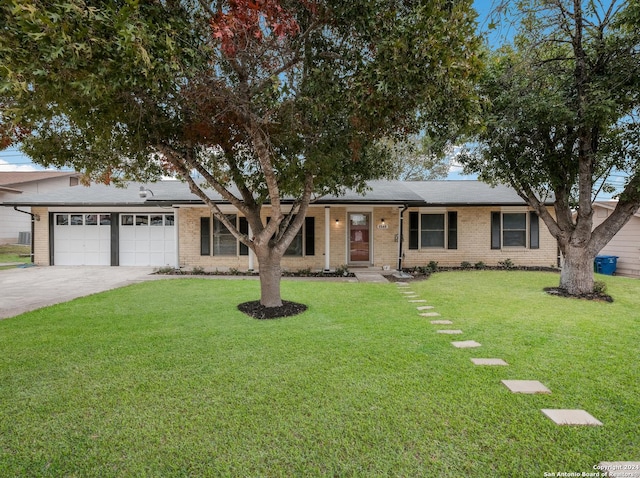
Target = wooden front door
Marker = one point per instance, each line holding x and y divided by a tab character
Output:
359	233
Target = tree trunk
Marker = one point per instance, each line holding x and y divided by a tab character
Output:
577	271
270	276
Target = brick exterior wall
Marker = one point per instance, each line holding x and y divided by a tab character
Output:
41	237
473	241
474	244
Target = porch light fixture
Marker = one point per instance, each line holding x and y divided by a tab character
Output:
382	221
337	221
143	193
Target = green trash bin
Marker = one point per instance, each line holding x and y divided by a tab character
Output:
606	265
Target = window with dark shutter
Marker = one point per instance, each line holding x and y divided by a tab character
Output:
243	225
452	230
205	236
534	231
309	236
414	230
495	230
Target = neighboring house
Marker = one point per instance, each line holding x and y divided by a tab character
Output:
16	226
625	244
444	221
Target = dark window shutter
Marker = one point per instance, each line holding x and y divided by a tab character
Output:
414	230
452	235
309	236
534	231
243	229
495	230
205	236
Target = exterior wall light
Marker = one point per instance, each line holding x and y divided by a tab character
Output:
143	193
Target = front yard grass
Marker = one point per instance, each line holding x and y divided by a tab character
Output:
10	253
168	378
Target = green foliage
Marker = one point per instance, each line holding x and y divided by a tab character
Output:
465	265
342	270
600	287
197	270
480	265
507	264
432	266
560	118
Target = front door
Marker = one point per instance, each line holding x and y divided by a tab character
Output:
359	246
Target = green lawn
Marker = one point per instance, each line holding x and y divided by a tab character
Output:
14	253
167	378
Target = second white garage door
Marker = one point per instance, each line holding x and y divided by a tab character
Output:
147	240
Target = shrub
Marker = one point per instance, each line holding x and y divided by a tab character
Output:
480	265
432	266
197	270
465	265
164	270
305	272
507	264
342	270
234	272
599	287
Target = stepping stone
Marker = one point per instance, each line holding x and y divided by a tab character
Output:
429	314
417	300
525	386
618	469
415	296
466	344
570	417
402	284
441	322
410	292
450	332
488	361
424	307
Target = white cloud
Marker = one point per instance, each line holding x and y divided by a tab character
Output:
6	167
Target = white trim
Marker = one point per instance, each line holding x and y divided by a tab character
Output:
176	237
101	209
327	238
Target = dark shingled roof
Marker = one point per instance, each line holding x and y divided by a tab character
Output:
418	193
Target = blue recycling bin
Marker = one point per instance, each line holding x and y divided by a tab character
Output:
606	264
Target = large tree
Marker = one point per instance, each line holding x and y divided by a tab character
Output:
560	116
265	100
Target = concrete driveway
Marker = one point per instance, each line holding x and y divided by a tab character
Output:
22	290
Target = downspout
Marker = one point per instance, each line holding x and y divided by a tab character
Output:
34	218
401	237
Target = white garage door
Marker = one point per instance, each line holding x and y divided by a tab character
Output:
82	239
147	240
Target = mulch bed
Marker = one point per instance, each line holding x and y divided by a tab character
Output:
564	293
258	311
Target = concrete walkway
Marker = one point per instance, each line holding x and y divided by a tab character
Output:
370	276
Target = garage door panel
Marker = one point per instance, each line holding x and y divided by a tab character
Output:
81	239
147	240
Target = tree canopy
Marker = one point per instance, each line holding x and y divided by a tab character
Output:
264	99
560	115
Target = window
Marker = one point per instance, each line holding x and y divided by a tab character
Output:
83	219
433	230
224	243
509	229
304	239
216	238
